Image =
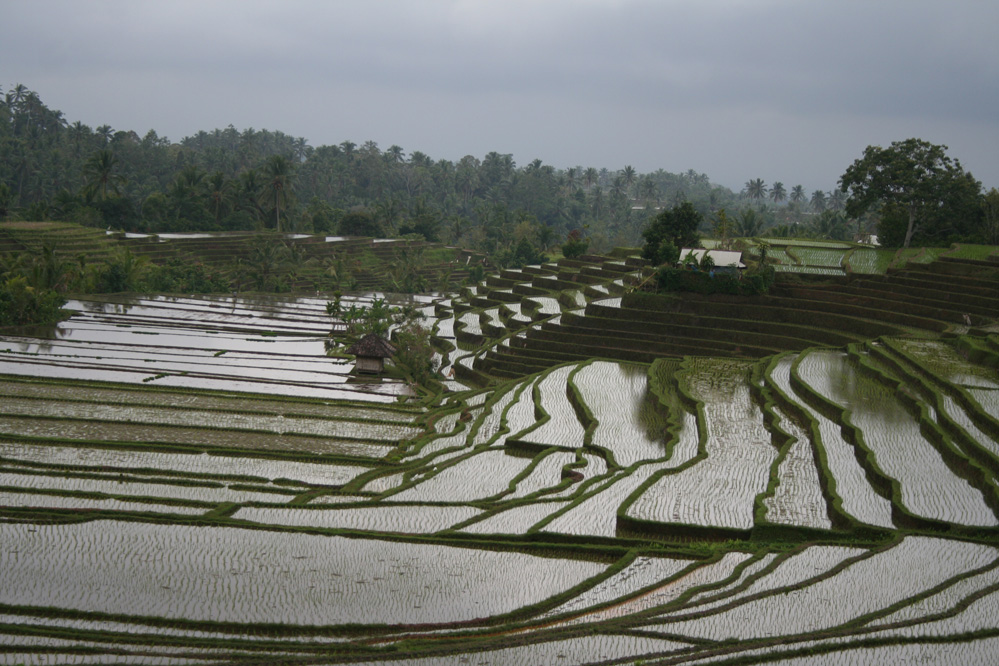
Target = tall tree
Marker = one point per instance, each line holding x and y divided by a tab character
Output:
818	201
279	189
628	175
914	179
777	192
756	189
798	194
100	173
671	231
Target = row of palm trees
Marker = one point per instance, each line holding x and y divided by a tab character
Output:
757	190
271	190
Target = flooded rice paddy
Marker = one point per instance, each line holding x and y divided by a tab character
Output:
251	503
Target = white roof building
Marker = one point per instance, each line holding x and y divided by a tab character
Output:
720	257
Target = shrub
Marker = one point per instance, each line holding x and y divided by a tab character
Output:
575	245
21	304
670	279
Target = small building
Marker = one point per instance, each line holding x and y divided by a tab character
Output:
371	352
725	261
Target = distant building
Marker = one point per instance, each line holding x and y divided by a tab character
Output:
371	352
725	261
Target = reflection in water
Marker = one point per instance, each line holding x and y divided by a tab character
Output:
264	343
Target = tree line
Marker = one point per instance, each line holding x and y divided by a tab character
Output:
227	179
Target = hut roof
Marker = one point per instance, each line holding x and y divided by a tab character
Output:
720	257
372	346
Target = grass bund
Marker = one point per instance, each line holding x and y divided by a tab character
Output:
614	477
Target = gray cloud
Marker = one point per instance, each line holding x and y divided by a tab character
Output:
782	90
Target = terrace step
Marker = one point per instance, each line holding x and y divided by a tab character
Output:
903	303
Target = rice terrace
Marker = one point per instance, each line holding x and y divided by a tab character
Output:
614	477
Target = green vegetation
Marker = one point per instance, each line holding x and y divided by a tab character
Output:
797	463
21	304
921	193
671	231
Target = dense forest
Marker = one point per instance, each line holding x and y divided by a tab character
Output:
227	179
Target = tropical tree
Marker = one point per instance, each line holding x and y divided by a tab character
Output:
220	195
628	176
990	217
722	227
778	193
101	177
279	187
756	189
671	231
915	184
837	200
750	223
798	194
818	201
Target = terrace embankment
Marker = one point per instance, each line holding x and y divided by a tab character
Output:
922	299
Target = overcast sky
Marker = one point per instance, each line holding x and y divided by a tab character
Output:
738	89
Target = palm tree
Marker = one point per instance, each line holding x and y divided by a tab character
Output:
756	189
818	201
220	194
798	194
648	190
837	199
395	154
628	175
248	193
750	223
777	192
100	174
571	179
279	187
104	132
590	177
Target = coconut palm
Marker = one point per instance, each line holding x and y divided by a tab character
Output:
590	177
837	200
756	189
628	175
818	201
749	224
798	194
279	188
220	195
777	192
100	173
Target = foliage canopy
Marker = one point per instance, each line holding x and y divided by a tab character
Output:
669	231
921	193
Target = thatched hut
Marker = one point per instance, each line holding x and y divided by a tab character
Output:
371	352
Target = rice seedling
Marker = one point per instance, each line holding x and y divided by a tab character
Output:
278	424
695	576
514	520
928	486
597	514
173	464
641	574
562	427
117	486
405	519
859	498
76	503
629	422
865	586
546	475
479	476
257	576
720	489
